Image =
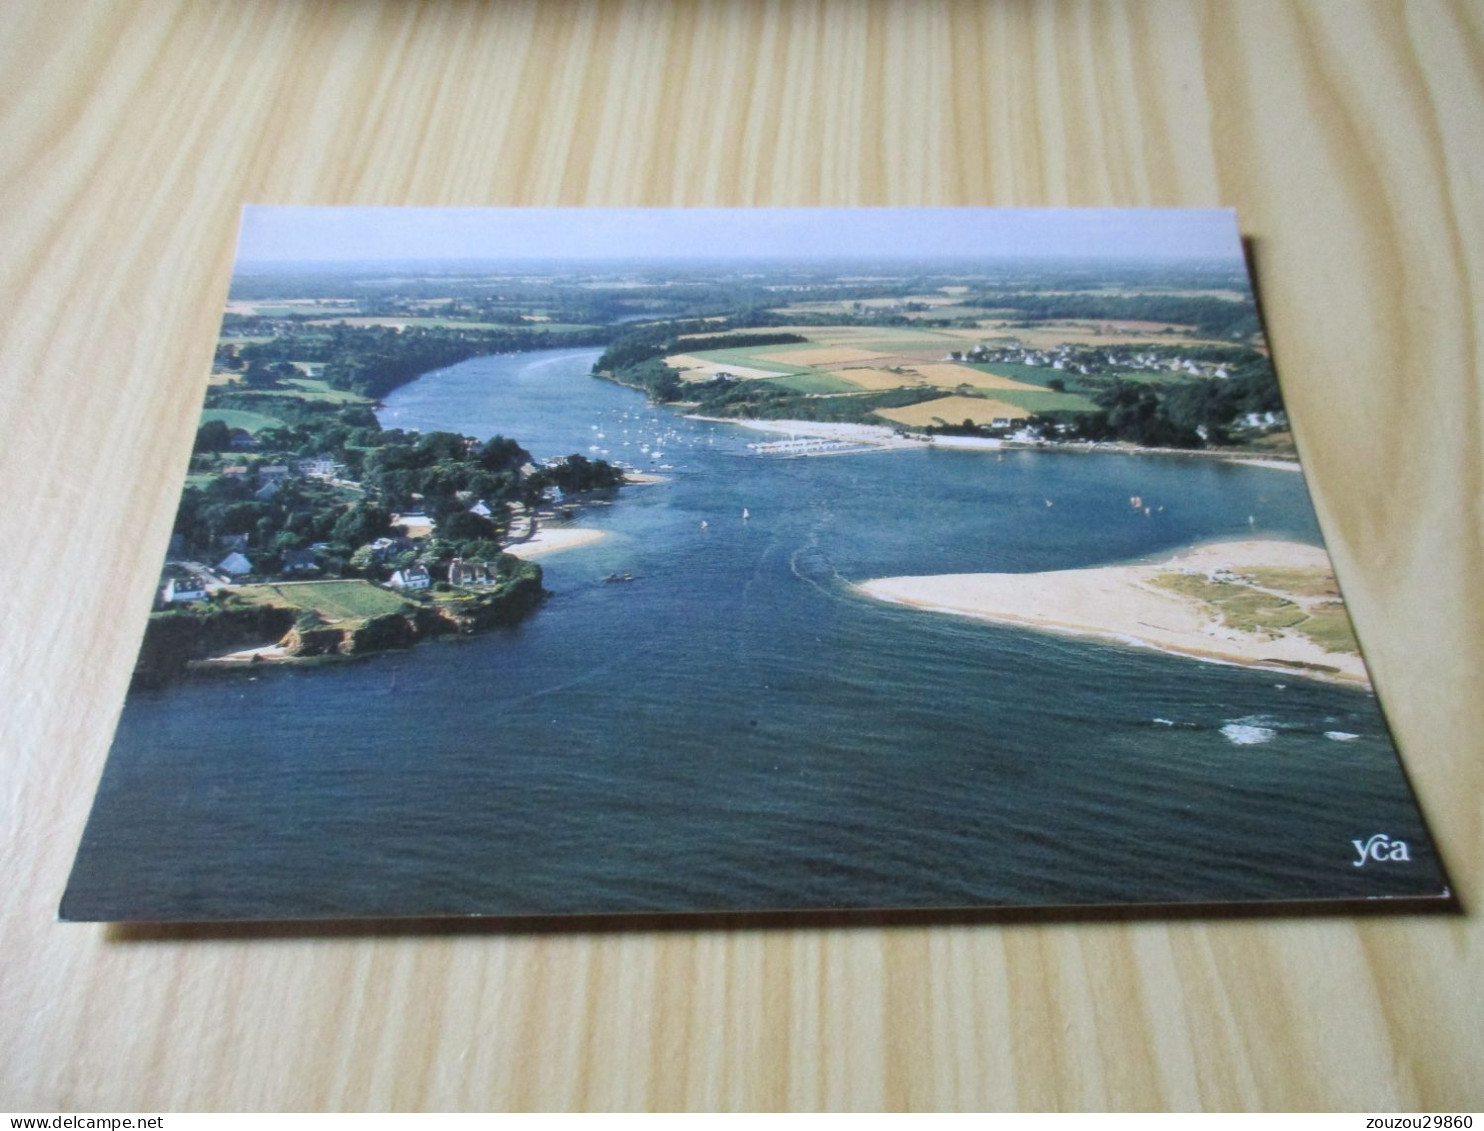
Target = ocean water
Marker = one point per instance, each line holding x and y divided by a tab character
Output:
737	729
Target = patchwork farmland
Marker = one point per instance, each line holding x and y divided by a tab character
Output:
917	364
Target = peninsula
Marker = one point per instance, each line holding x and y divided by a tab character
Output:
1267	604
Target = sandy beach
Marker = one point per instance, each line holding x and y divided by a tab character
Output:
889	439
1272	464
550	539
1125	603
875	434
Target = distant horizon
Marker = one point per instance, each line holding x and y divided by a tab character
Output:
438	268
278	236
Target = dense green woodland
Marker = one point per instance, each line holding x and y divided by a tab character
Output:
371	361
437	473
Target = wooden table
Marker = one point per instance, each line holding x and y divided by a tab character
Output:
1350	136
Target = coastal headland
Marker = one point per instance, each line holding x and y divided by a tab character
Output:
1267	604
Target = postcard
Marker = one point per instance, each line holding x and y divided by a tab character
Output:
542	562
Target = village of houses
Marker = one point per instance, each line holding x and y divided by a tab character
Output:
186	580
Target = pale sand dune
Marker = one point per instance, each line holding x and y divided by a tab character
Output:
550	539
1119	603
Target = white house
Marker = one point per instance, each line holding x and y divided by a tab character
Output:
1265	420
321	468
234	564
180	589
414	578
465	573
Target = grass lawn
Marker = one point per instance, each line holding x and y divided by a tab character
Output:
315	389
241	418
333	600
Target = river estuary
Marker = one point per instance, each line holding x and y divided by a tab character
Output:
737	729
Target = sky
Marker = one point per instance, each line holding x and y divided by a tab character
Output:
274	233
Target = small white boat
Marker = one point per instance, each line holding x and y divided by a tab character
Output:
746	514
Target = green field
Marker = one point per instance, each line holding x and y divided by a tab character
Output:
896	341
1153	377
813	381
1033	374
333	600
314	389
241	418
1040	402
750	358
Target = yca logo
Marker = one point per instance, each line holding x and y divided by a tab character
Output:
1382	849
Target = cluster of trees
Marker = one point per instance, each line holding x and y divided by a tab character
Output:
1211	316
302	512
374	360
439	473
1181	414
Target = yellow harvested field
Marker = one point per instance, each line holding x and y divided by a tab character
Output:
700	369
1051	334
949	375
877	379
829	355
877	337
953	410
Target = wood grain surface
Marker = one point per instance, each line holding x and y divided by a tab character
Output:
1350	135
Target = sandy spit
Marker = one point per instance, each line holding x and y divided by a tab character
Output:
1118	603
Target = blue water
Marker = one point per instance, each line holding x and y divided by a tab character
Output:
737	729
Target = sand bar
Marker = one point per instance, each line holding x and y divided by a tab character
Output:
877	434
551	539
1121	603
